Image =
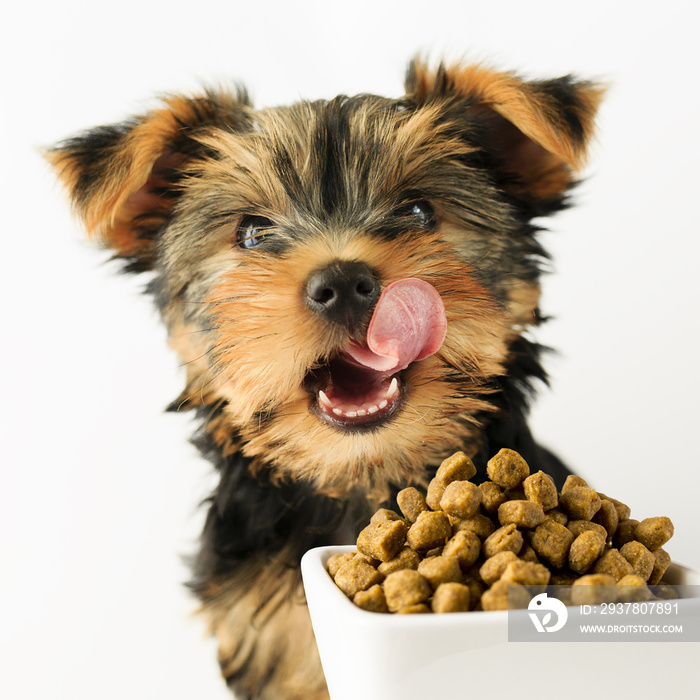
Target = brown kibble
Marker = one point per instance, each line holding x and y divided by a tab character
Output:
623	511
405	559
541	489
526	573
492	569
465	546
404	588
607	516
411	502
337	560
654	532
458	467
507	469
552	541
356	575
492	496
632	589
372	599
662	561
613	564
435	490
594	589
382	515
572	481
625	532
557	516
527	553
579	526
506	538
451	597
479	524
580	503
441	569
429	531
461	499
497	597
417	609
585	550
640	558
382	540
525	514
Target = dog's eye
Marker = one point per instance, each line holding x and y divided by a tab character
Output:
421	212
252	231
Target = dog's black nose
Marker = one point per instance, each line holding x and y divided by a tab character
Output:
342	292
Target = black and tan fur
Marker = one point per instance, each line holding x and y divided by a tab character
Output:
334	180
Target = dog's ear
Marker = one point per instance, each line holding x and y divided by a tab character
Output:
536	133
123	178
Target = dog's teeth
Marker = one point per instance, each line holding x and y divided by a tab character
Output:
324	399
383	404
337	412
393	388
351	414
361	412
372	409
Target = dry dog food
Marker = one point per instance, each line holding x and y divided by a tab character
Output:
467	547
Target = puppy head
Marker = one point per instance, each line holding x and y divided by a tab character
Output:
343	279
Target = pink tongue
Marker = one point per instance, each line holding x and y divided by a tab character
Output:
408	324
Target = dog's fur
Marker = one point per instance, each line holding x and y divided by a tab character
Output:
233	209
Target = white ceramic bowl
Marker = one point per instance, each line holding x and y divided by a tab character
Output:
374	656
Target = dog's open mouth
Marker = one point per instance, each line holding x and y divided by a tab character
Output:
362	387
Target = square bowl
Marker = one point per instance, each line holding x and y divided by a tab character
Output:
368	656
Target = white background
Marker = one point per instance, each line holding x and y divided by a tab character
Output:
99	490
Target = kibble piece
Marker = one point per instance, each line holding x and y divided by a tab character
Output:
458	467
384	514
526	573
654	532
337	560
557	516
429	531
372	599
623	511
594	589
525	514
356	575
625	532
640	558
541	489
492	496
382	540
405	559
572	481
492	569
580	503
465	546
404	588
579	526
507	469
479	524
451	597
411	502
418	608
504	595
552	541
461	499
633	589
607	516
505	539
527	553
666	592
662	561
585	550
434	493
613	564
440	569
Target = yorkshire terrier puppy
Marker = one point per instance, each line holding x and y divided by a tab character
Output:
349	284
